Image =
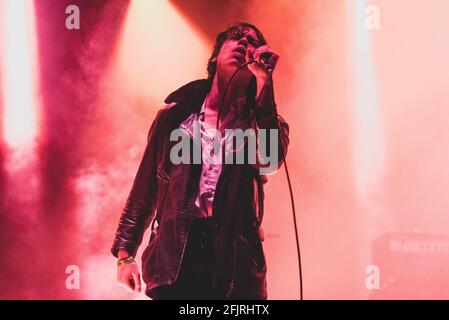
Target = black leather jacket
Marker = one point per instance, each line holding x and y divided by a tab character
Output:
168	191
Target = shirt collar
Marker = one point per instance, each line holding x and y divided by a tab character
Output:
236	104
187	125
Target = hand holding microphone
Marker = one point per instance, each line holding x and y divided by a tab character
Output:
264	61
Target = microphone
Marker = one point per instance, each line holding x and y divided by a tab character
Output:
267	59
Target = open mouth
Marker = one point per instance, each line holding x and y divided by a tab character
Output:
241	50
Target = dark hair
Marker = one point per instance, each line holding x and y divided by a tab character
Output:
222	37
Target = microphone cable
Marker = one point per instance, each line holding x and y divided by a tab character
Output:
298	250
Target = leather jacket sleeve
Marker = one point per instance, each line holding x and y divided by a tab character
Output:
141	202
267	118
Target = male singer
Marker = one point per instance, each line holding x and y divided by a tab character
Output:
206	240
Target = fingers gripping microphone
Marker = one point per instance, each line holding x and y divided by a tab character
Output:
267	59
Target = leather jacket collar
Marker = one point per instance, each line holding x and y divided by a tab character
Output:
190	95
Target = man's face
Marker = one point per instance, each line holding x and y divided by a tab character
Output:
237	49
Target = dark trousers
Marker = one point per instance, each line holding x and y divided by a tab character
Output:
195	275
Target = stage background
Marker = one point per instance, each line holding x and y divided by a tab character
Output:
368	110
